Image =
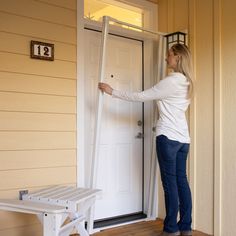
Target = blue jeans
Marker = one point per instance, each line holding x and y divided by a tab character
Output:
172	156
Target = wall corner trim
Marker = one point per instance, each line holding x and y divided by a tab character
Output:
217	117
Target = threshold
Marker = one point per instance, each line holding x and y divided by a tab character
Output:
119	220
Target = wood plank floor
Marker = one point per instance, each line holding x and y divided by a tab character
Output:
144	228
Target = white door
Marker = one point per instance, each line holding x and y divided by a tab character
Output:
120	169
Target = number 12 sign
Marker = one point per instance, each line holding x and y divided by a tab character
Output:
43	51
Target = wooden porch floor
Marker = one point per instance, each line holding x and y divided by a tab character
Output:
144	228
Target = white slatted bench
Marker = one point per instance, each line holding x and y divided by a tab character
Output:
54	205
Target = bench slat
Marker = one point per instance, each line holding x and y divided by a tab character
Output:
37	207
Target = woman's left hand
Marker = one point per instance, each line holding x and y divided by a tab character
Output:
106	88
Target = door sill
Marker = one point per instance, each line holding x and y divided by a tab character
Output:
119	220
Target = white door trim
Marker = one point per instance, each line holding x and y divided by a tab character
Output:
150	22
80	94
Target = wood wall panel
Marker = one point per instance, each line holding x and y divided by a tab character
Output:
204	98
19	121
22	64
19	224
37	140
153	1
227	159
37	84
31	159
9	218
29	230
212	37
14	193
36	28
37	103
26	178
181	15
37	10
62	51
67	4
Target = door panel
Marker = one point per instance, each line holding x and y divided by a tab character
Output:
120	165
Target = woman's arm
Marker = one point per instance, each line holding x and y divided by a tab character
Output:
164	88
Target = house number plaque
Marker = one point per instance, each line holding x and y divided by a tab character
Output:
43	51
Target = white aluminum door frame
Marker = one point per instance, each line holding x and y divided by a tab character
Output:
95	156
102	61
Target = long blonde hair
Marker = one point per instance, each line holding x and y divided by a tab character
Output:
184	64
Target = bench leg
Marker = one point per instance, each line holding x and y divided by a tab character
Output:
87	208
51	224
90	219
81	229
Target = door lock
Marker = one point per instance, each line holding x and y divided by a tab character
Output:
139	135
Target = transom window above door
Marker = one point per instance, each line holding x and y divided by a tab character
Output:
96	9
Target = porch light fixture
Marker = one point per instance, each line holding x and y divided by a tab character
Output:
176	37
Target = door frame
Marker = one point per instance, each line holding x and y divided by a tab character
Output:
111	220
150	22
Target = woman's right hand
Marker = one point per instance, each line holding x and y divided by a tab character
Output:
106	88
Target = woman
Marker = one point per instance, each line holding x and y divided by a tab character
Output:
173	95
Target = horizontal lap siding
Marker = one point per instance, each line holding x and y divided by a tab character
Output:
36	177
43	12
37	103
21	222
22	64
34	140
64	51
31	159
29	230
37	84
36	28
25	102
22	121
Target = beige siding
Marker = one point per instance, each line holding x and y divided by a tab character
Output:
64	51
197	18
212	35
29	230
153	1
43	12
37	103
172	15
204	99
31	159
36	28
23	220
36	177
228	37
37	84
67	4
21	121
21	64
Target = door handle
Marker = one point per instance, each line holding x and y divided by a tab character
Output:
139	135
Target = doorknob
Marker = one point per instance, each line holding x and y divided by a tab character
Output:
139	135
139	123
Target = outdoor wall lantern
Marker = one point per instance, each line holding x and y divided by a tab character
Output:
176	37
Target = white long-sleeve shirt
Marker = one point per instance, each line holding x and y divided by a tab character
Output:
171	95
